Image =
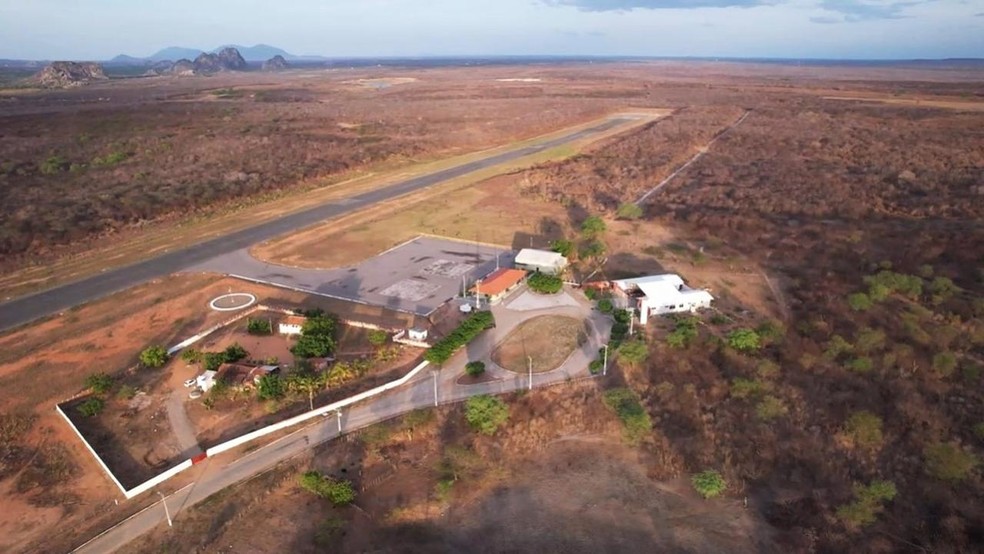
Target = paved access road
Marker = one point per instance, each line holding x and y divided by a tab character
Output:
225	470
28	308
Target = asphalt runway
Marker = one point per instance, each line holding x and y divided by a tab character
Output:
25	309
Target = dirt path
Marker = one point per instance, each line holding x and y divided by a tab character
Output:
693	160
777	294
183	430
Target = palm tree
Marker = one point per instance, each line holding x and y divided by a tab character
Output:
309	383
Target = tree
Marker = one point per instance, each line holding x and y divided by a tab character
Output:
259	327
545	284
593	226
212	360
868	503
475	369
338	491
191	355
635	421
486	413
154	356
629	211
948	462
709	483
563	247
684	332
633	352
770	408
317	338
592	249
944	363
100	383
605	306
378	337
270	387
864	429
744	340
91	407
308	383
234	352
859	302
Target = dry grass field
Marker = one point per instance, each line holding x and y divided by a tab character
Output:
546	340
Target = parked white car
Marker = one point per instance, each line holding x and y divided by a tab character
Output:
190	382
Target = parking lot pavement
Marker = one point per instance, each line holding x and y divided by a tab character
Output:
417	277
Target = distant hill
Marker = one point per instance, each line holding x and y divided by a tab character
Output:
257	53
69	74
174	53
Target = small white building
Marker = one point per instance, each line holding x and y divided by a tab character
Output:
660	294
291	326
206	380
540	261
417	334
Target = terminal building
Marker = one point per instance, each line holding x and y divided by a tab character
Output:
540	261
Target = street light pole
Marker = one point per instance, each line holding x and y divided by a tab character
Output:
339	414
604	370
167	514
530	358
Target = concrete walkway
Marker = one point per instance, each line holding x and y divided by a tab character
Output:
181	426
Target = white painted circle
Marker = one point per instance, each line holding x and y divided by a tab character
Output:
247	300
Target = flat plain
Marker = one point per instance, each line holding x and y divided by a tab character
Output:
840	220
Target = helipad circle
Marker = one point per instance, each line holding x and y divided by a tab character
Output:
232	301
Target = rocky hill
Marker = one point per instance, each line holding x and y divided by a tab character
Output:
69	74
227	59
276	63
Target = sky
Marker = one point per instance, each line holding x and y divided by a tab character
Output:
828	29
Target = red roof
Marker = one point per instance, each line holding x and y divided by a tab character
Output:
500	281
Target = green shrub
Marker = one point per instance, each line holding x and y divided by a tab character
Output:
317	338
948	462
338	491
212	360
91	407
909	285
270	387
592	249
837	346
191	355
942	288
605	306
596	366
545	284
720	319
865	429
475	369
862	364
54	164
378	337
465	333
633	352
744	340
859	302
154	356
767	369
593	226
486	413
563	247
944	363
770	408
868	503
870	340
259	327
684	332
110	159
628	211
635	421
709	483
746	388
771	332
234	352
100	383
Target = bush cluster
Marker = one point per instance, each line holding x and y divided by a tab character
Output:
708	483
868	502
684	332
545	284
630	412
486	413
259	327
338	491
317	338
465	333
475	369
